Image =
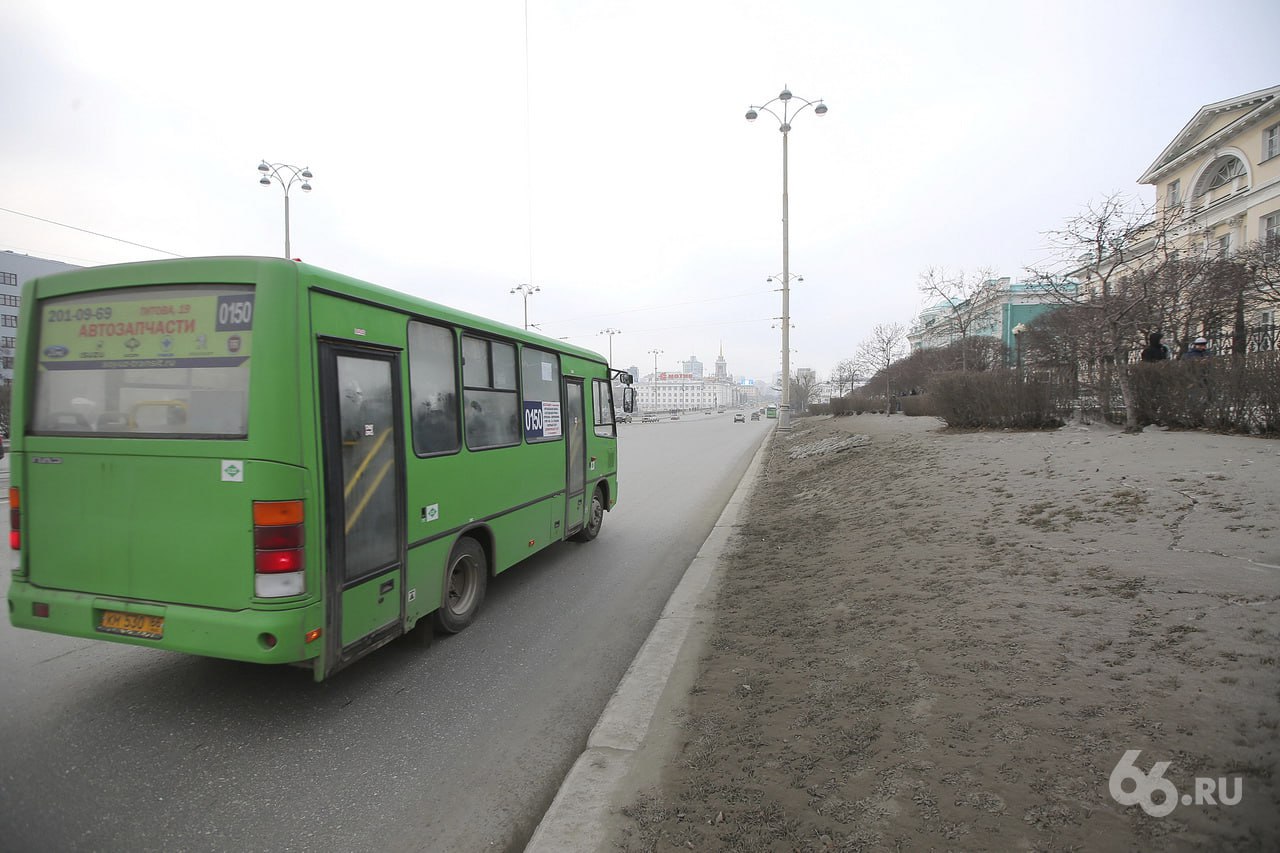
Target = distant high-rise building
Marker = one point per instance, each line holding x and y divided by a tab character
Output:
692	367
722	367
15	269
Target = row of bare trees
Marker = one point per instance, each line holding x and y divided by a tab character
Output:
1128	272
1121	272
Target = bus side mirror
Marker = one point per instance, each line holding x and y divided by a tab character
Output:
628	399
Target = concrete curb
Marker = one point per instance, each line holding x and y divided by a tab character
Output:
577	821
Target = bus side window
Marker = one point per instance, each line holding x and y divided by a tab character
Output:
540	370
491	410
433	388
602	405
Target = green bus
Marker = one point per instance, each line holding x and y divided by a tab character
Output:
260	460
771	410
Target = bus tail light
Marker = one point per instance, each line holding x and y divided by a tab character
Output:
279	560
15	521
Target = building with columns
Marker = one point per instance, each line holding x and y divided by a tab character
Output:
1219	178
1004	305
1217	188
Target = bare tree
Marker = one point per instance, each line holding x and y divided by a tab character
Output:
878	352
969	300
844	376
1114	263
1262	257
1260	261
803	386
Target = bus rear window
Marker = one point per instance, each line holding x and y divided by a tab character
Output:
154	362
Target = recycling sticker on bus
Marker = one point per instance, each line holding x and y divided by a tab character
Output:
542	419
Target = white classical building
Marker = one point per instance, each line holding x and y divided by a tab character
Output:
692	389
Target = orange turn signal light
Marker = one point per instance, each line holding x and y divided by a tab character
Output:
273	513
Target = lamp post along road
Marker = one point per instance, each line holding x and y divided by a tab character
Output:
611	332
286	176
1018	332
655	353
525	290
789	112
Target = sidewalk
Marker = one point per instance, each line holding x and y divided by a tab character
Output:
620	748
939	640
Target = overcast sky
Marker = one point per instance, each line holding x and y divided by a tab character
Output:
599	149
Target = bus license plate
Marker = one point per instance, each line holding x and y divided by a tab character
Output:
132	624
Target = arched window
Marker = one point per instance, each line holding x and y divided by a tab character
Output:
1223	173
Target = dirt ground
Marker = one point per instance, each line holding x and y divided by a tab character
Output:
926	640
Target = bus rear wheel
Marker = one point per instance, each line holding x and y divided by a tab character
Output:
465	577
595	520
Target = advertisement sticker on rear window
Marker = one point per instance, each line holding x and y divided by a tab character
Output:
146	328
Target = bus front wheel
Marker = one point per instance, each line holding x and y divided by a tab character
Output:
595	521
465	579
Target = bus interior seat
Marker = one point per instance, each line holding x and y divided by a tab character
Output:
111	420
70	419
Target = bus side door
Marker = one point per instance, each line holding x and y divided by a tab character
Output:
575	434
364	473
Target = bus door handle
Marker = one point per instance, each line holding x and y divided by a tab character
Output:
385	588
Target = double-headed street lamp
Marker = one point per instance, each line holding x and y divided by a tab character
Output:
611	332
789	112
525	290
655	353
287	176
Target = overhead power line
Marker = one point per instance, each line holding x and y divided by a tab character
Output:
94	233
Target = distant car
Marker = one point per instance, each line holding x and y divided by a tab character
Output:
649	419
739	418
675	417
755	416
624	419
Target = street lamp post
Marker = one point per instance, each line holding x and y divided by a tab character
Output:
525	290
287	176
784	124
1018	331
611	332
655	353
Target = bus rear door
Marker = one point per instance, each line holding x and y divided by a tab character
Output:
363	449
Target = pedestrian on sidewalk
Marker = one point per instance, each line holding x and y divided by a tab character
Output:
1199	349
1155	349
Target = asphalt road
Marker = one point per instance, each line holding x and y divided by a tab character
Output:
457	747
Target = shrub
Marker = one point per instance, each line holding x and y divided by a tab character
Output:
995	398
917	405
1217	393
841	406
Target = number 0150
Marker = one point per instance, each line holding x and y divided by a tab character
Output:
235	313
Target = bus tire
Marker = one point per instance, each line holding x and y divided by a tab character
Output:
595	521
465	577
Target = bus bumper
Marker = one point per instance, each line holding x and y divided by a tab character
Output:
255	636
